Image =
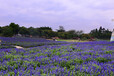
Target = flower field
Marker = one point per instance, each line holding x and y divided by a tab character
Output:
64	59
8	42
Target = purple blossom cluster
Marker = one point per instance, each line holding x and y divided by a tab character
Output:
71	59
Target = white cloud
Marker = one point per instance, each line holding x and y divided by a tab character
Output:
77	13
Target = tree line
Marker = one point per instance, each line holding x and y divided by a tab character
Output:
46	32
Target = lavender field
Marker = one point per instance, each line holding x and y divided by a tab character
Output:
8	42
54	58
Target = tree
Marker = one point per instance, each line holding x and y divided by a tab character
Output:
79	32
71	34
61	35
101	33
61	29
24	31
94	33
44	32
15	28
32	31
45	28
7	31
86	36
0	29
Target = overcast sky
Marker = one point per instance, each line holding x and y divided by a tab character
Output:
71	14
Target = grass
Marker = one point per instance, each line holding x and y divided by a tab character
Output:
72	40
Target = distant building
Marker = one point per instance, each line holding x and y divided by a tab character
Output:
112	36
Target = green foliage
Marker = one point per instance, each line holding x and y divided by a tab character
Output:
41	71
11	62
33	31
43	74
80	61
61	29
15	28
96	66
32	51
16	66
38	64
22	53
1	59
101	33
10	56
68	64
53	51
89	53
78	50
0	29
45	28
71	47
24	31
58	53
39	54
102	60
86	36
88	59
3	67
72	67
47	32
55	64
7	31
108	52
11	73
65	64
6	46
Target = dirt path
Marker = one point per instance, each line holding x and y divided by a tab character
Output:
19	47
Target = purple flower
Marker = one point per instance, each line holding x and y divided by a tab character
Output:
15	71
